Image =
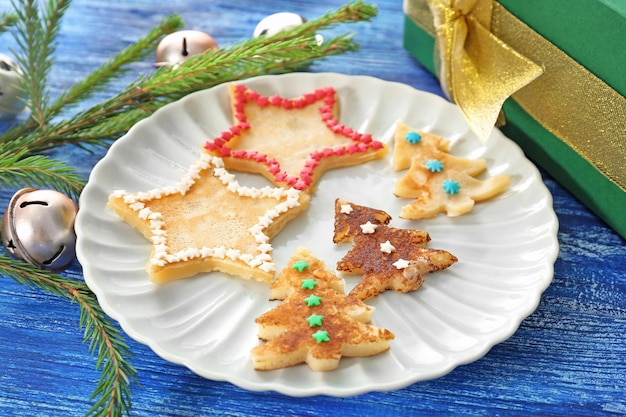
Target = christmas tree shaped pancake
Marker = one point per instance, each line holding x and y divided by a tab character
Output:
387	257
316	323
291	141
437	180
209	222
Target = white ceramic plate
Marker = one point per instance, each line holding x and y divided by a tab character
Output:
506	247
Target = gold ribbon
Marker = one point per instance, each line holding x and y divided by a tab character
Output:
567	100
478	71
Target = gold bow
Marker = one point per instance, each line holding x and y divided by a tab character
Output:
477	70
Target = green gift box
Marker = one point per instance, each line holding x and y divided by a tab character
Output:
571	120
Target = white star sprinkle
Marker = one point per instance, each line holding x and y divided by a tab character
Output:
401	264
368	228
346	208
387	247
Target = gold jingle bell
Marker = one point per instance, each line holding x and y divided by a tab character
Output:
177	47
12	99
38	227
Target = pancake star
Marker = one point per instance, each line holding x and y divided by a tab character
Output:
209	222
290	141
400	269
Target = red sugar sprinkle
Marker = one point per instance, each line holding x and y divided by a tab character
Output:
327	116
226	135
352	148
311	163
274	168
300	185
316	155
210	146
252	95
262	101
259	157
281	176
276	100
225	151
328	152
239	153
340	151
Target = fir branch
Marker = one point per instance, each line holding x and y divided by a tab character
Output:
36	34
113	391
292	49
19	170
117	66
6	21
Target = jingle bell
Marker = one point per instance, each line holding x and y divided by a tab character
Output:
12	99
177	47
38	227
277	22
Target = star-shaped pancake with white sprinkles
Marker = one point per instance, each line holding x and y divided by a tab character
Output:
209	222
291	141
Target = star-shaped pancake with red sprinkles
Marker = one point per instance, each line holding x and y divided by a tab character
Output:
291	141
387	257
209	222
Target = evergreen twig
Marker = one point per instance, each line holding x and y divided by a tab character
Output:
113	355
6	21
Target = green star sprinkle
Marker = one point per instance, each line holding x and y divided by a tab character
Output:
314	320
321	336
300	265
308	284
313	300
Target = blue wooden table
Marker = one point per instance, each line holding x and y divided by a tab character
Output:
567	358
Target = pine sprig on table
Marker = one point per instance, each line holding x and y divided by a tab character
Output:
23	164
105	341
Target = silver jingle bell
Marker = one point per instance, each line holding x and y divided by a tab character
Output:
12	98
177	47
38	227
277	22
